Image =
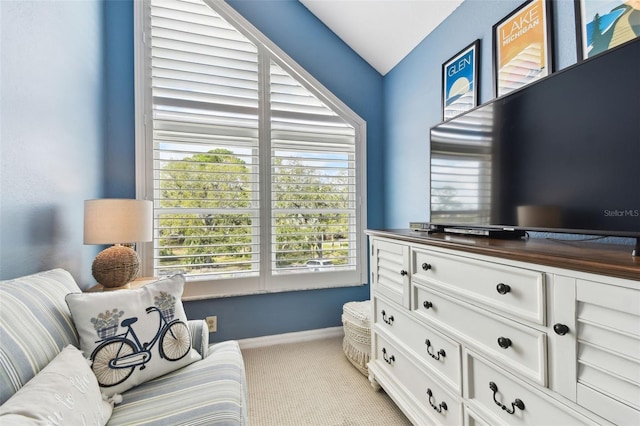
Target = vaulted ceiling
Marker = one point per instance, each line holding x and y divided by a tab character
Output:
382	32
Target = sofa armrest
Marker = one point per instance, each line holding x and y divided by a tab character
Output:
199	336
208	392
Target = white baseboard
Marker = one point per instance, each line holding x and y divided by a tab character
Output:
296	337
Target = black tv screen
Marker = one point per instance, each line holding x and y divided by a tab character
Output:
561	155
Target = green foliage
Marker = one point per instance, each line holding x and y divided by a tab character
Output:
214	234
306	233
216	179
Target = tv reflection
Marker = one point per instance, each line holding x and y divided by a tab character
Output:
462	168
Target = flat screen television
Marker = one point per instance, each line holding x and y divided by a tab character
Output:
559	155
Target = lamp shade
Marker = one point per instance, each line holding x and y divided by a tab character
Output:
117	221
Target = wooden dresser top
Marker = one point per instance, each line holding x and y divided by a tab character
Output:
604	259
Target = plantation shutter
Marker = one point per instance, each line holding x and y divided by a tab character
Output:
205	138
313	180
254	172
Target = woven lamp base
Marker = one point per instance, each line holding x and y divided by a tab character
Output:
116	266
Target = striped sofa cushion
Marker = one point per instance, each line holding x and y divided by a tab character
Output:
35	324
208	392
199	336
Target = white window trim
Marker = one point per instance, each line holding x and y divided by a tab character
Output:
203	289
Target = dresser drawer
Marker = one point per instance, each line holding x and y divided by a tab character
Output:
440	404
438	352
488	388
473	419
524	347
505	289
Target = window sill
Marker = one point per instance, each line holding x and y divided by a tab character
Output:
201	290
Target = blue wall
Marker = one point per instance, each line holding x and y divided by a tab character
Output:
412	94
120	152
51	136
310	43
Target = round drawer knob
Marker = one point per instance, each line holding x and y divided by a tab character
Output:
426	266
503	288
427	304
403	272
504	342
560	329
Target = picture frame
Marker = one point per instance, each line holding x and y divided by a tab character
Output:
612	17
460	78
522	46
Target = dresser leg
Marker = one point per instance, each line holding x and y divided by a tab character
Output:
374	383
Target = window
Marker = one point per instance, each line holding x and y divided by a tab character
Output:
254	168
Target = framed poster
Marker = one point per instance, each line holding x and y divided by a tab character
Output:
460	81
603	24
522	47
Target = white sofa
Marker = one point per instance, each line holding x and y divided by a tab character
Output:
36	324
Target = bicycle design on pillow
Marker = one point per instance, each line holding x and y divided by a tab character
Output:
115	358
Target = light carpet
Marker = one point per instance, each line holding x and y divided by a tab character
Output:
312	383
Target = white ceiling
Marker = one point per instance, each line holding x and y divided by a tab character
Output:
382	32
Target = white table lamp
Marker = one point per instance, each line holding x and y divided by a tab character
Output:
118	222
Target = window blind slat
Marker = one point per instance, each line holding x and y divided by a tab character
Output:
167	31
223	83
176	49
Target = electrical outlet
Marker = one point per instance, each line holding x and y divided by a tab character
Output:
212	323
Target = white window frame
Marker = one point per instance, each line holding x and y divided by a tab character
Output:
204	288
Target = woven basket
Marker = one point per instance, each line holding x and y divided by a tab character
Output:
356	322
168	314
356	334
116	266
103	333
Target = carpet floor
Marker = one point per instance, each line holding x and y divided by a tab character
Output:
313	384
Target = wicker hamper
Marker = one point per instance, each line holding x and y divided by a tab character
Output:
356	321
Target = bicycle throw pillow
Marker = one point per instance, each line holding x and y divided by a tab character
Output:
132	336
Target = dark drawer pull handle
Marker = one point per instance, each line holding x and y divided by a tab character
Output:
388	359
560	329
426	266
384	318
427	304
515	404
403	272
438	354
504	342
438	408
503	288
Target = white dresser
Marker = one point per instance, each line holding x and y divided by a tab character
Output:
478	331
